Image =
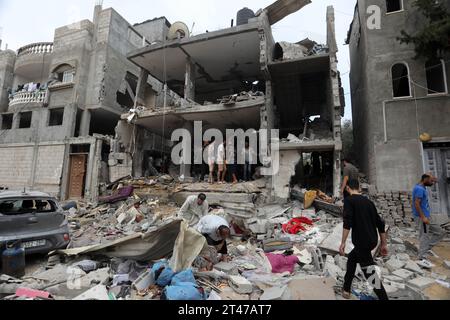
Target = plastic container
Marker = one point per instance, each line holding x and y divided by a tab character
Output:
244	15
13	260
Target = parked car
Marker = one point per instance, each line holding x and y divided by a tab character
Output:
34	218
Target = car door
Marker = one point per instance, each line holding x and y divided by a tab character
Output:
48	218
14	222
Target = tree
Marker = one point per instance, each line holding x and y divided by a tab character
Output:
433	40
347	139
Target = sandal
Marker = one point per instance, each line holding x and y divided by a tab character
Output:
346	295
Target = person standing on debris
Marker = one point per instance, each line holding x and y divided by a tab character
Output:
221	162
249	159
194	208
204	166
430	233
350	173
216	230
211	159
362	218
232	165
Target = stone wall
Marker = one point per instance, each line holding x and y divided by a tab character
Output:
395	208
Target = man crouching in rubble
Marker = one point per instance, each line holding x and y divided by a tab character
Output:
193	209
361	216
216	230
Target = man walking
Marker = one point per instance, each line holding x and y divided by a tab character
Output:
430	233
194	209
350	173
362	218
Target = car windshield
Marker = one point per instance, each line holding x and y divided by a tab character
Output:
24	206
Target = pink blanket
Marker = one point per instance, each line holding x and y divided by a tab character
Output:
281	263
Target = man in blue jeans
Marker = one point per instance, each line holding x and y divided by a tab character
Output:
430	233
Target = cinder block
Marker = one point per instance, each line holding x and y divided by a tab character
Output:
240	285
228	268
421	282
404	274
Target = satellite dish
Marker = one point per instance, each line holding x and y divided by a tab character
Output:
178	30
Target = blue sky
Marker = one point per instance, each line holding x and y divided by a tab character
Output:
27	21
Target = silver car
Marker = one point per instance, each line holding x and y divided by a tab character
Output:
34	218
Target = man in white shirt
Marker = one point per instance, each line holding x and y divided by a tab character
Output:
216	230
221	162
194	208
211	160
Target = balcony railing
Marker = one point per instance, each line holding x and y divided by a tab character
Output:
28	97
36	48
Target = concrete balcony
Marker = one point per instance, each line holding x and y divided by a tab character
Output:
33	60
27	98
36	48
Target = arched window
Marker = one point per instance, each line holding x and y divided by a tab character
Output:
436	82
64	73
400	80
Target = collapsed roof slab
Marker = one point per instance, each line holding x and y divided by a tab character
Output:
311	64
224	55
309	146
243	115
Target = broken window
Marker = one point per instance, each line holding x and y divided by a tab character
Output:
400	80
435	76
67	76
127	91
56	117
25	120
394	5
26	206
7	121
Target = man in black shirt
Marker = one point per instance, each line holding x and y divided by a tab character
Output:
362	218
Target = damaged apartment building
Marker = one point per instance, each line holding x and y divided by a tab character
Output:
240	78
60	103
401	105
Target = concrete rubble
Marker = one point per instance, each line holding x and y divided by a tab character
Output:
109	258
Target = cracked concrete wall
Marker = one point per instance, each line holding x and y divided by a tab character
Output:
281	188
7	60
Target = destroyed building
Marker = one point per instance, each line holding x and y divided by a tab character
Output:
240	78
60	103
401	105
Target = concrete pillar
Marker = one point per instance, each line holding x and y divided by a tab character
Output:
140	89
189	84
185	168
85	125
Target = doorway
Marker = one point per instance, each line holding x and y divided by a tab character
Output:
437	161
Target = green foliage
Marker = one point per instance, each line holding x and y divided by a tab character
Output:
347	139
433	40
